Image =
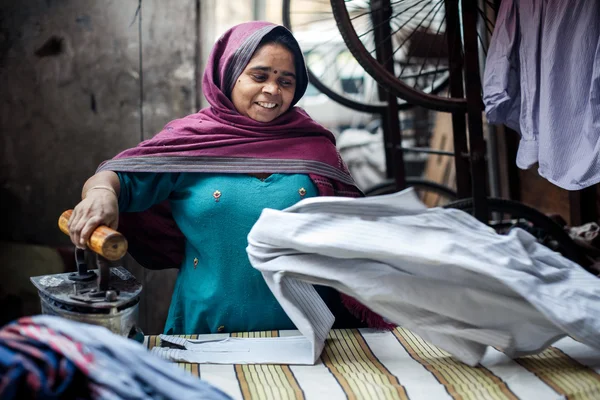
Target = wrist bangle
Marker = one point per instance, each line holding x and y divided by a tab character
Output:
101	187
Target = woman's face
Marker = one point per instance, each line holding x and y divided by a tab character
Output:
266	88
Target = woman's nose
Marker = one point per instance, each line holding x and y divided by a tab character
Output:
271	87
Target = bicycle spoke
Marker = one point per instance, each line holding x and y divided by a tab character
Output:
431	43
425	73
460	50
409	24
413	32
437	63
394	32
371	10
394	16
417	35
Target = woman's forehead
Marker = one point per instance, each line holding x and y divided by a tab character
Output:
273	56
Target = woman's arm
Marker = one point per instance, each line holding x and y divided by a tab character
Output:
99	206
104	178
107	193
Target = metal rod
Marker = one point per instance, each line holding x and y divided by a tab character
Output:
392	134
492	134
477	144
511	143
425	73
198	59
141	68
582	206
103	273
426	150
258	10
459	126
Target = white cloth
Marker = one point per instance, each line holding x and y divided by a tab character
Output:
223	349
440	273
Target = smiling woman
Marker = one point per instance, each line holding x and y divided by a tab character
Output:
189	196
266	88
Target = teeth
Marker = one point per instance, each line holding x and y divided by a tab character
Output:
266	105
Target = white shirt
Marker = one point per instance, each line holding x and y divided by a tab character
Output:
441	273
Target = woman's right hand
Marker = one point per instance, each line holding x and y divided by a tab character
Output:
99	207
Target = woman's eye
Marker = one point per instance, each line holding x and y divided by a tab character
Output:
259	78
286	83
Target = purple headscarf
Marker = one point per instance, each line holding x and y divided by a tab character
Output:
219	134
218	139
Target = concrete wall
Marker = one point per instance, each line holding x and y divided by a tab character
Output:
70	98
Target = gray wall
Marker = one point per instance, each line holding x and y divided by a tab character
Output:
64	112
70	98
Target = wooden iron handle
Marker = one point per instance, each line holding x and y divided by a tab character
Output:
105	241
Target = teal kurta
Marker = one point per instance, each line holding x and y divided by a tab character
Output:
217	289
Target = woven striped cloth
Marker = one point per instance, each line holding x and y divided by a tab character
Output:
367	364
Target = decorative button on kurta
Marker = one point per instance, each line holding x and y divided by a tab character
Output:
221	329
302	192
195	263
217	195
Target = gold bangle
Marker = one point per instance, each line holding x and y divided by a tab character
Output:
101	187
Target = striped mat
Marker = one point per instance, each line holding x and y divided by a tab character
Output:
365	364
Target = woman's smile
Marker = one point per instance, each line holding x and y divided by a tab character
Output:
266	105
267	86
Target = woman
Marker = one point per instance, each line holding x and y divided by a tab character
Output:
212	173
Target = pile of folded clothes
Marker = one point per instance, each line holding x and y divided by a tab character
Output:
48	357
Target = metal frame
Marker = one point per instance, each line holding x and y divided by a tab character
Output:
469	149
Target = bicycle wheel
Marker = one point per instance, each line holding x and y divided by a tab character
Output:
423	187
419	46
332	69
509	214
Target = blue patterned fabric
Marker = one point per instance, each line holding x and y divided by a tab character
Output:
47	357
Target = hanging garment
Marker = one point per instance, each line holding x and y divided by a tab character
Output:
440	273
542	79
54	358
364	154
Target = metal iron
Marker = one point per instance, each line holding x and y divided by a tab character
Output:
108	295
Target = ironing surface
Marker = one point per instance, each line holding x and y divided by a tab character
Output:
398	364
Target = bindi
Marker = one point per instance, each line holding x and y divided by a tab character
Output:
275	71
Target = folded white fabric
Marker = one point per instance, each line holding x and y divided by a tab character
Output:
441	273
234	350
